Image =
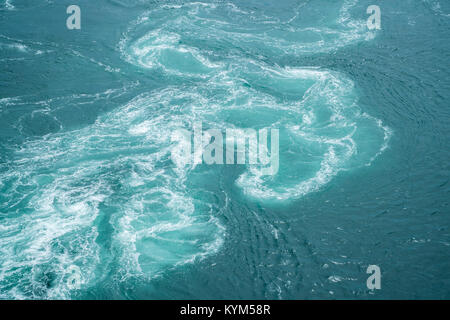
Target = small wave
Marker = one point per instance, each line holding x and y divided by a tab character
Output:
16	49
8	5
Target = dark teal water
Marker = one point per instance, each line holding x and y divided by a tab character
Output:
87	179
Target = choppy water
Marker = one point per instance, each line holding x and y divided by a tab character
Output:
87	178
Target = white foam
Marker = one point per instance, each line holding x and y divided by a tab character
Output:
9	5
199	20
65	177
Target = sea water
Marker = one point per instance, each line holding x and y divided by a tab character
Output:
89	186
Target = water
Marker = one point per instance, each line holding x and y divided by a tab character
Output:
87	178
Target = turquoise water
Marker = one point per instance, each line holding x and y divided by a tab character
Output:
87	178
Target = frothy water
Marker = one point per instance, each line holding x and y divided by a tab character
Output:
113	167
109	192
323	131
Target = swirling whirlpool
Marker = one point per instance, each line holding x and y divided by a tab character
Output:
109	194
